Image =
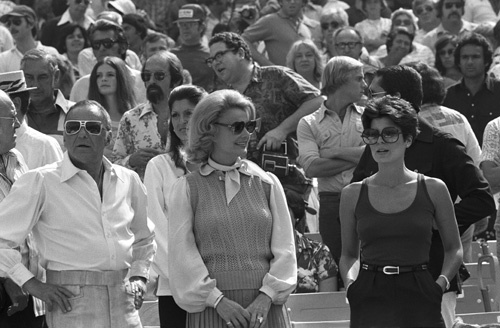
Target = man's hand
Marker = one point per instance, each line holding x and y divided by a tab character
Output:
258	310
51	294
138	288
233	314
18	297
272	139
142	156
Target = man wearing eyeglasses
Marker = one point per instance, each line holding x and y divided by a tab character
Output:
191	51
75	13
143	130
22	24
439	155
108	39
89	219
450	12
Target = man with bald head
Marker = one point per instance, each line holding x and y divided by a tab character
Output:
92	216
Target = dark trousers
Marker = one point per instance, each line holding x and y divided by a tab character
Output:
171	315
329	222
22	319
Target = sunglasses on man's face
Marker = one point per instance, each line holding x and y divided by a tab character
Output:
16	21
457	5
159	76
72	127
107	43
237	127
389	135
420	10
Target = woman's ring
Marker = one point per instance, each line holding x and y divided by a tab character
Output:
229	323
260	319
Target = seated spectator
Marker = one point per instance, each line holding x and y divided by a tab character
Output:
135	29
110	87
330	21
305	59
73	40
316	268
426	12
154	42
357	14
374	28
445	59
398	45
405	19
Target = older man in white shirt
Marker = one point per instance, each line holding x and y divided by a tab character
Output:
89	219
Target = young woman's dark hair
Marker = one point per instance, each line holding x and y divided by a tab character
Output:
193	94
68	30
125	93
442	42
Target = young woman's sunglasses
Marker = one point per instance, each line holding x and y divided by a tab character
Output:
389	135
92	127
237	127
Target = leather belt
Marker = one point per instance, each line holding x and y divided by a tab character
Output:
390	269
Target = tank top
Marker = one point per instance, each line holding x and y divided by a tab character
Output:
401	238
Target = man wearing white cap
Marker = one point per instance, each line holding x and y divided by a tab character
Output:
192	52
22	24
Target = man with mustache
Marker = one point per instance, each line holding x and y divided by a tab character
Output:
450	12
143	130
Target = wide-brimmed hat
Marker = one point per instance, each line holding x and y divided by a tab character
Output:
13	82
19	11
191	13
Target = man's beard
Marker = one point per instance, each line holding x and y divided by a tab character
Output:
155	94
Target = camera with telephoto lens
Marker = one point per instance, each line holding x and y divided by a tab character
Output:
277	162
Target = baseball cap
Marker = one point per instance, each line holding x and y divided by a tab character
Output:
19	11
191	13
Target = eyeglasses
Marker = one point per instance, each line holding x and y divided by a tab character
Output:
444	52
389	135
457	5
350	45
375	94
107	43
334	25
92	127
85	2
16	21
159	76
209	61
420	10
13	119
402	22
237	127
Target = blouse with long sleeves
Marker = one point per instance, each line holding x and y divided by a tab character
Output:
241	237
161	174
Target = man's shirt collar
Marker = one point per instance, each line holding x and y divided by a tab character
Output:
68	170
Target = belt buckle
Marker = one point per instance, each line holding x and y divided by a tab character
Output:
388	269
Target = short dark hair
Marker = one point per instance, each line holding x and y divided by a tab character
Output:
138	22
475	39
442	42
69	29
104	25
232	41
174	66
440	5
398	31
403	80
432	83
398	110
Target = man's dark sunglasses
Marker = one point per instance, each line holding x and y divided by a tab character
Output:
92	127
237	127
159	76
107	43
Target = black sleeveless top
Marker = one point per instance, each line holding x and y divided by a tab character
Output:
402	238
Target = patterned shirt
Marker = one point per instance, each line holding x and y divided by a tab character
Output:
491	142
315	263
137	129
